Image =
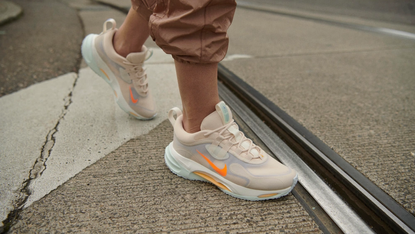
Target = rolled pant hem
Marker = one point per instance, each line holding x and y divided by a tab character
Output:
191	31
181	60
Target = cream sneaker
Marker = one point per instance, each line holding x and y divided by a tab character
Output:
126	76
222	155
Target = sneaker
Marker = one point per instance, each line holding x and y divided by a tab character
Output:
126	76
222	155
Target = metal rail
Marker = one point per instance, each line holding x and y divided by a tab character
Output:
345	218
371	204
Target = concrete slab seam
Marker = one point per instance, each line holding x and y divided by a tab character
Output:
40	164
121	130
330	52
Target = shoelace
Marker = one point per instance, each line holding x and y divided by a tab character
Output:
231	132
139	76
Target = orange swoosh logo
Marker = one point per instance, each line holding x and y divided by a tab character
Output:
221	172
132	97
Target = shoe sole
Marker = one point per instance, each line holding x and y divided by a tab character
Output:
191	170
95	62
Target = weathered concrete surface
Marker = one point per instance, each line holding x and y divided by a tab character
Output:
74	124
352	89
27	120
72	129
95	125
131	190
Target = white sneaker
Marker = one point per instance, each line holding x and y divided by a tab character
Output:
126	76
222	155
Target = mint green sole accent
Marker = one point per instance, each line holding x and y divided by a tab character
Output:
177	169
87	54
250	198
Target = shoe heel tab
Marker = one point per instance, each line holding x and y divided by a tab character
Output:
174	111
113	24
149	53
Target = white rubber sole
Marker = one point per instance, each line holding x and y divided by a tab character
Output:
191	170
95	62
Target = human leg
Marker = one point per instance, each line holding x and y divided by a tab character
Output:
198	91
132	34
207	143
194	33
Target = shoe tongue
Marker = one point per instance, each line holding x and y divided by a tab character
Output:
218	118
138	57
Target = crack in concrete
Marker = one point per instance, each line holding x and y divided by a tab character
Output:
39	166
333	52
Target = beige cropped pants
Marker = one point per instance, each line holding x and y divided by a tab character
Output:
192	31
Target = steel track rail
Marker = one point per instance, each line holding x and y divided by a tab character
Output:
344	217
372	204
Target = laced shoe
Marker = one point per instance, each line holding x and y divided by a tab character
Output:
222	155
126	76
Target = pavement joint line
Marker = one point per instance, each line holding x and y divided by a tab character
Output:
314	53
40	164
330	52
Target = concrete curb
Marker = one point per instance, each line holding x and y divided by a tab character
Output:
9	11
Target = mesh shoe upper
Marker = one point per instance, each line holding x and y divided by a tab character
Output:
221	147
128	73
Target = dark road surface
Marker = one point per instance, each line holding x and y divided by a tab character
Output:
391	11
42	44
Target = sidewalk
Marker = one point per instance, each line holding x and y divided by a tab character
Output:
100	170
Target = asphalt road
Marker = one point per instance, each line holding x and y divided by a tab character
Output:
391	11
42	44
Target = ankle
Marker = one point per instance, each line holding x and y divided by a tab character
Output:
124	47
193	115
191	126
